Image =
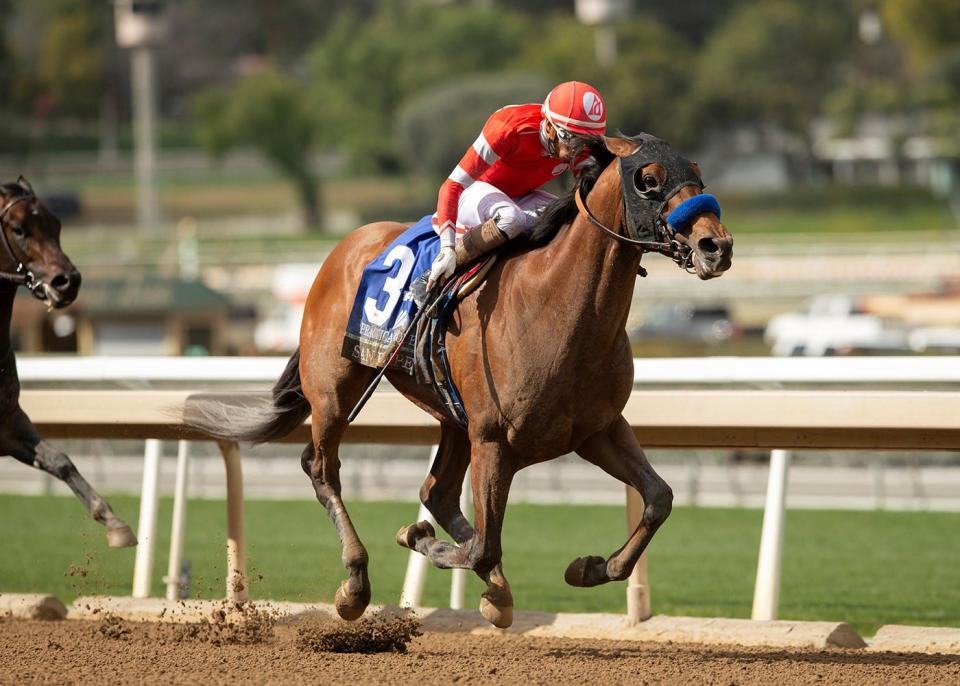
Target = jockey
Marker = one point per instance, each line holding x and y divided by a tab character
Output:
493	194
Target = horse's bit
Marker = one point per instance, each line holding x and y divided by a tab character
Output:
22	276
643	209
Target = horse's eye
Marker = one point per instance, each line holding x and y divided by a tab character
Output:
650	182
17	230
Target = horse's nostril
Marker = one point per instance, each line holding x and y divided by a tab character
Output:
60	282
708	246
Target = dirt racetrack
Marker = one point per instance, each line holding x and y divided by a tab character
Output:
114	651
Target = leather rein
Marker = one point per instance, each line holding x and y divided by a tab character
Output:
676	251
22	276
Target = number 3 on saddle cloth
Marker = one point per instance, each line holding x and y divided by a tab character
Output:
389	297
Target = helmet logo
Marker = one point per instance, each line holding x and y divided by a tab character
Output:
593	106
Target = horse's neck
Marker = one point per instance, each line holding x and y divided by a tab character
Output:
593	277
7	293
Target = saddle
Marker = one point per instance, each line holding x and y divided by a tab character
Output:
431	364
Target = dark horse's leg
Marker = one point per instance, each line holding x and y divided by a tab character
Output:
20	439
491	475
617	452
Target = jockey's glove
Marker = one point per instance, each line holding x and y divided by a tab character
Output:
443	267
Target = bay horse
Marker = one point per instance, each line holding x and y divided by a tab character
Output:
30	256
539	353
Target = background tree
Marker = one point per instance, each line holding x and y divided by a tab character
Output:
70	66
645	90
929	29
364	70
267	112
929	34
435	128
773	62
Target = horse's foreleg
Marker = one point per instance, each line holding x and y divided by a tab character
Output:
321	462
617	452
440	492
491	476
24	444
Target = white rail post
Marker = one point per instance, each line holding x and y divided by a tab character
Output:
174	578
638	586
458	578
416	576
236	549
147	527
766	594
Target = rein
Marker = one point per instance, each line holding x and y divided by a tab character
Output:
676	251
22	276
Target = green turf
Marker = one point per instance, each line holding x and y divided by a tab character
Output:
868	568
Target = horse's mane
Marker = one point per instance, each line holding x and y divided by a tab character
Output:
563	210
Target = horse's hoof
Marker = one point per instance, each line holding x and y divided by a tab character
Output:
500	617
349	606
586	571
121	537
408	536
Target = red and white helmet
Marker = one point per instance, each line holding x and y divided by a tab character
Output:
577	107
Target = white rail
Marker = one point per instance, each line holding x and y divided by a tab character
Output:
670	370
144	370
776	420
805	370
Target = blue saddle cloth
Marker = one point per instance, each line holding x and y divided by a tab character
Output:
384	305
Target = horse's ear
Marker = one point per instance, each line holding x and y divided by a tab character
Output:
621	147
24	184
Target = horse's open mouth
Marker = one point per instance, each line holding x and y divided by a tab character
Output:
712	268
49	295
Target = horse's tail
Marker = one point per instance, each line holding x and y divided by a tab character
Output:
259	422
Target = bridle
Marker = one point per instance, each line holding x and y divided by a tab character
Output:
21	276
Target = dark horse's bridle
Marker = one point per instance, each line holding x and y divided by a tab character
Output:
643	209
21	276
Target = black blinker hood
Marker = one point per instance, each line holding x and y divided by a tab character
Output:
643	209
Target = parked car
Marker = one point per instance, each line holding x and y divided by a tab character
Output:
686	322
833	325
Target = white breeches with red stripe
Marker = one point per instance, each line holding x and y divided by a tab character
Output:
481	201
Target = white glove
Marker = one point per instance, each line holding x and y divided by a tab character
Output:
443	267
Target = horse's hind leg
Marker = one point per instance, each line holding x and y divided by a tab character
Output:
24	444
321	461
617	452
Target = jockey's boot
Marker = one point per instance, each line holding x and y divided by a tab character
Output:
477	241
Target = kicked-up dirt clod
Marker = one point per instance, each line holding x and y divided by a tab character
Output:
384	632
233	623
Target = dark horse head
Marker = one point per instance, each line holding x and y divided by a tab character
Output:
30	253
